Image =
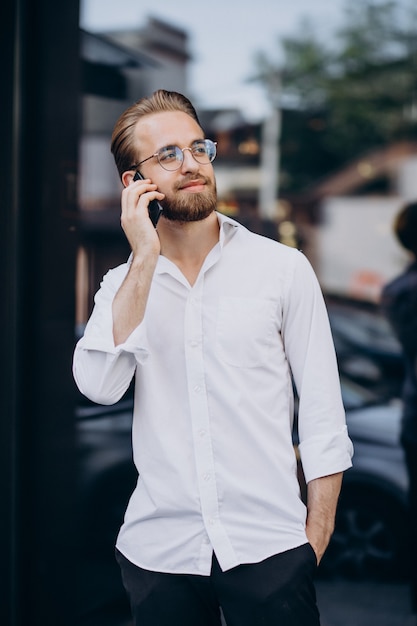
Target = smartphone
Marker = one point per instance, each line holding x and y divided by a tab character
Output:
154	207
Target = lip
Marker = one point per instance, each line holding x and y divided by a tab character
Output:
193	185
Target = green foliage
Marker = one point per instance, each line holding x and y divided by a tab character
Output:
360	86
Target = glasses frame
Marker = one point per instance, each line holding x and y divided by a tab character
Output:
190	148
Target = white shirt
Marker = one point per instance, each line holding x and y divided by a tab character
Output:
213	409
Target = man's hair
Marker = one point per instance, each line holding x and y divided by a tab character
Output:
123	145
405	227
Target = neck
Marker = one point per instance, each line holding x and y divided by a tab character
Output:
187	244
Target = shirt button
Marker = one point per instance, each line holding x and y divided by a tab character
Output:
197	388
207	477
193	343
202	432
212	522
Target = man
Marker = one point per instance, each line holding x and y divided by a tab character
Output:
399	302
215	323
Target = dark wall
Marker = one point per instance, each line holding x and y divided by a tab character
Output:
38	156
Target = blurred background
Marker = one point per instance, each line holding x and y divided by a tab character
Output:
314	110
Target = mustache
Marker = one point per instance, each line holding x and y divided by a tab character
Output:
190	178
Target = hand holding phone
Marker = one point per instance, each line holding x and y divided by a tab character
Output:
154	208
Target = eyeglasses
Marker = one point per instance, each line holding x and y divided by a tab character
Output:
171	157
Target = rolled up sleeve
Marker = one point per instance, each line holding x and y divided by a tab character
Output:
325	447
325	455
103	371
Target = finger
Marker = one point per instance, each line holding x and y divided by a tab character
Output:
134	196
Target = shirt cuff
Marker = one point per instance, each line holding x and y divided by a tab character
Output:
326	455
100	337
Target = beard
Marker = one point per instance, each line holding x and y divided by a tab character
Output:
191	207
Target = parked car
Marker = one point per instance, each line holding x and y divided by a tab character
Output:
367	350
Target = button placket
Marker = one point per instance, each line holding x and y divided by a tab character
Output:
204	461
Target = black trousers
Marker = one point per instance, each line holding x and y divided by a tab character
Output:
278	591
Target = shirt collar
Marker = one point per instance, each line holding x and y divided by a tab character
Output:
228	227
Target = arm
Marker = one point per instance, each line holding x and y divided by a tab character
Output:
130	301
102	370
322	497
325	448
324	445
114	340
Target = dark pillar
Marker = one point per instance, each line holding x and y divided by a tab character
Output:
38	157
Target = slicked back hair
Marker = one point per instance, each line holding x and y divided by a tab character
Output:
123	145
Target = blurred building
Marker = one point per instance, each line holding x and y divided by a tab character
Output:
346	221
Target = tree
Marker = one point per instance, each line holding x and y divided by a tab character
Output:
353	94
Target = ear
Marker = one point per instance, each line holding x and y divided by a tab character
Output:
127	177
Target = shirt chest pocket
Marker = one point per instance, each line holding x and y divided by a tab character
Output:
244	331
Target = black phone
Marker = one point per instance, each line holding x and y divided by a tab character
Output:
154	207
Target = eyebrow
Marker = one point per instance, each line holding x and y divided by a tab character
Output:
168	145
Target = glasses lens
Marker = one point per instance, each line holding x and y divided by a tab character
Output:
170	158
204	151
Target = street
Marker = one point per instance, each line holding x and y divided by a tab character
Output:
348	603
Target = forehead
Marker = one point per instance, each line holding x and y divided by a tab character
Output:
170	127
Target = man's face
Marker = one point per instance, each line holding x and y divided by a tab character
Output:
190	191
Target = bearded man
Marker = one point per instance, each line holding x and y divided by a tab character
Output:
216	324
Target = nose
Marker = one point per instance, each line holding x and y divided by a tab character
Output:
189	164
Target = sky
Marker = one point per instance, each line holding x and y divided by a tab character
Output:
224	36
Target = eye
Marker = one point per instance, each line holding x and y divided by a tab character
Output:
199	147
169	153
